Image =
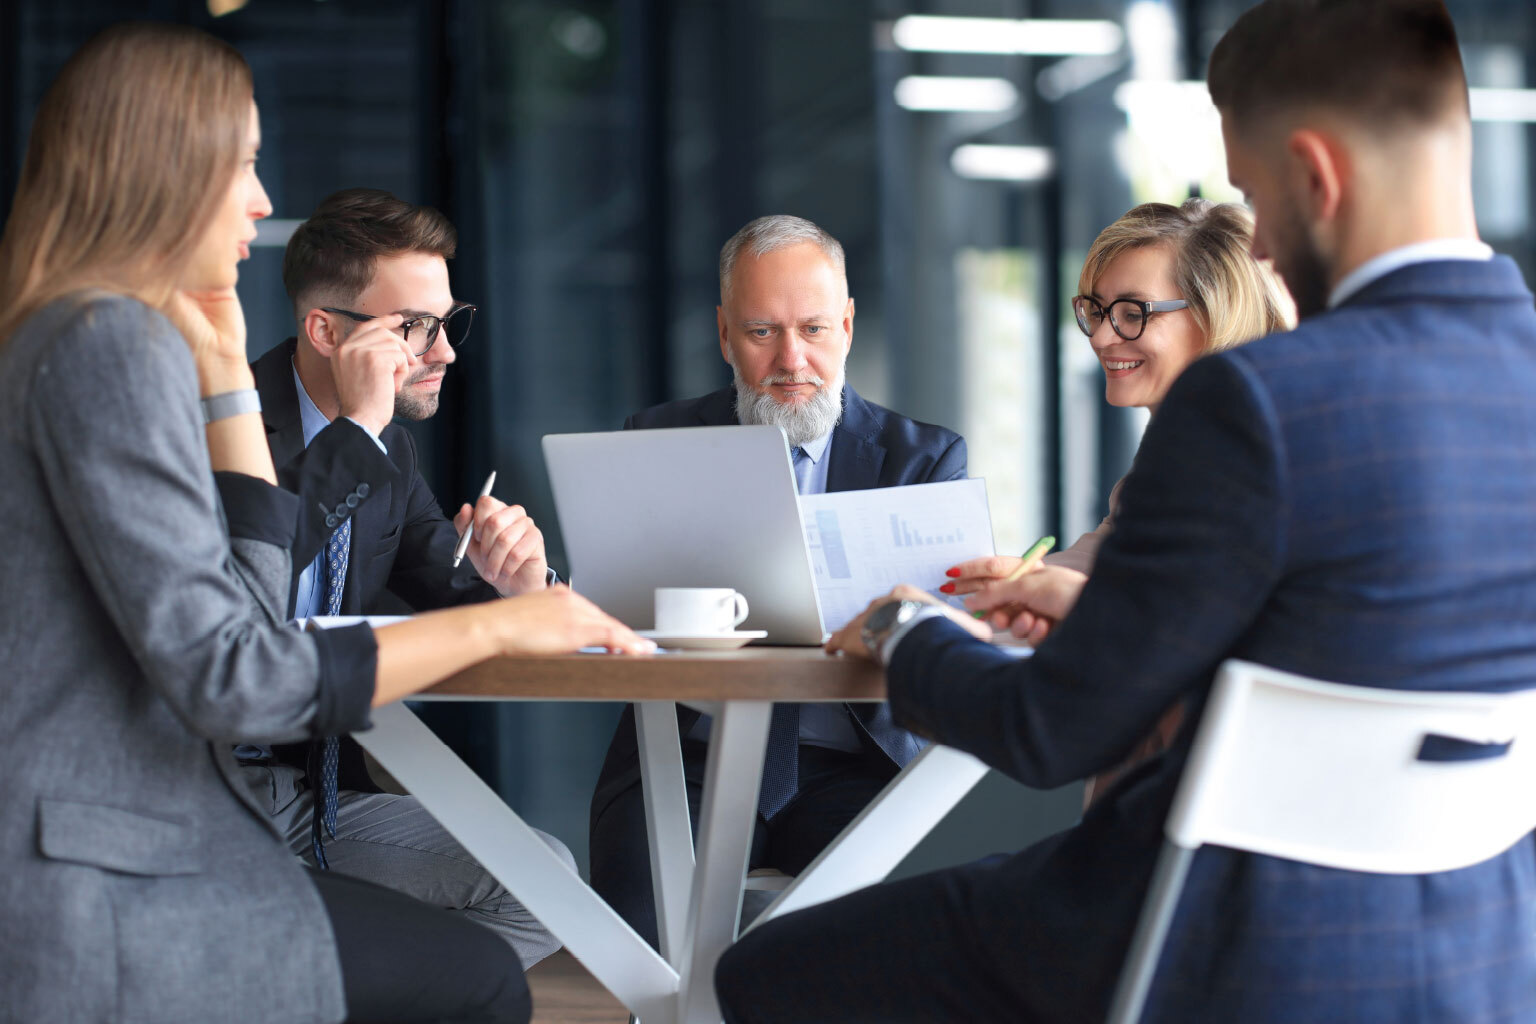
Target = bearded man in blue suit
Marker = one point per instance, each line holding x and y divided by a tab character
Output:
1354	500
786	323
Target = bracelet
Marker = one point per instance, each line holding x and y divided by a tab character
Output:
230	403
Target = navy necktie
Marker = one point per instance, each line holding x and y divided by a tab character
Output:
325	754
781	761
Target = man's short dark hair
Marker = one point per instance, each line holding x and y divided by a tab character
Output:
335	251
1387	64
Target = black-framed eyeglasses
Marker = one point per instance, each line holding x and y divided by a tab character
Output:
1127	317
455	326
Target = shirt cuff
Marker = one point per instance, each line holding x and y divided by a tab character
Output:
888	648
257	510
349	660
370	433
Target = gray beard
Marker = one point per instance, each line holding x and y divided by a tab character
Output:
801	422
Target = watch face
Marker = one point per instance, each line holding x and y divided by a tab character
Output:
883	617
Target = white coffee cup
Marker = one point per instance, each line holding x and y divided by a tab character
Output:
698	611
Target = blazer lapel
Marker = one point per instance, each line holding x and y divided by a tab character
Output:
273	373
280	408
718	409
370	521
856	458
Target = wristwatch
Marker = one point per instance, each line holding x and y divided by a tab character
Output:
883	621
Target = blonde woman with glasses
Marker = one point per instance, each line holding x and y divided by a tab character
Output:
147	571
1161	287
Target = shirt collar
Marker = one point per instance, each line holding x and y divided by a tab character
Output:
310	416
816	447
1395	259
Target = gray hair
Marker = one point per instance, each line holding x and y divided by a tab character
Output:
769	234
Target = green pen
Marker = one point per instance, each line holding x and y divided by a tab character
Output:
1036	552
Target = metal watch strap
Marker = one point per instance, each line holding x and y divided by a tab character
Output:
876	630
894	637
230	403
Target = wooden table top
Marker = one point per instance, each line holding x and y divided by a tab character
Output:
751	673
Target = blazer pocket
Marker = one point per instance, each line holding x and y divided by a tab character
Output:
386	546
116	839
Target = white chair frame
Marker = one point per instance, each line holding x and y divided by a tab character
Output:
1330	774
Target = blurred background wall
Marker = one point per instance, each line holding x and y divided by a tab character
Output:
596	153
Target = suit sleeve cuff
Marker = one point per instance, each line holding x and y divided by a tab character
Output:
906	686
888	648
371	434
349	659
257	510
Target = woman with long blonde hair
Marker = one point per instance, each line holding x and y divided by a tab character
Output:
147	575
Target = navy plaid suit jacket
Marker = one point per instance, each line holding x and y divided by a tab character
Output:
1356	501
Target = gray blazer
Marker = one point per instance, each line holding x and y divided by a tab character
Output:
141	637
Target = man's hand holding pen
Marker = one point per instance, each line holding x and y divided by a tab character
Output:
507	548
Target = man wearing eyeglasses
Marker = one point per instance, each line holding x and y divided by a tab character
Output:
377	323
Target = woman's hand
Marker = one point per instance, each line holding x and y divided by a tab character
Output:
969	577
213	325
559	621
850	639
1030	606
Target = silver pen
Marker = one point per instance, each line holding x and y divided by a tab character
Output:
463	545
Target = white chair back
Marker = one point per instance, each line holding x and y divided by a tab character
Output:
1352	777
1332	774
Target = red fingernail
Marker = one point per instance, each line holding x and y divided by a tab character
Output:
952	573
948	588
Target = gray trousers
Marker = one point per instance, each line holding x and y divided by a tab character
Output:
392	841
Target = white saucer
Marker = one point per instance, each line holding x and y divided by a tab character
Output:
704	641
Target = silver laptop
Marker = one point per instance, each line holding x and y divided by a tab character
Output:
686	507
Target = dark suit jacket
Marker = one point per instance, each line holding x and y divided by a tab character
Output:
871	447
402	544
1353	501
401	558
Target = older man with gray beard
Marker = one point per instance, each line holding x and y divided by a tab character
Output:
786	324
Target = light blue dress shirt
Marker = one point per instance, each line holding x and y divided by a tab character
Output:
821	725
309	599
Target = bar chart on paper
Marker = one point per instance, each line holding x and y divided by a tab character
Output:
863	543
904	536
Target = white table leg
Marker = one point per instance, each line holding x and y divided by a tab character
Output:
886	830
512	852
666	821
726	820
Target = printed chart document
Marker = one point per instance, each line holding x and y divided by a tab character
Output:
863	543
338	621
